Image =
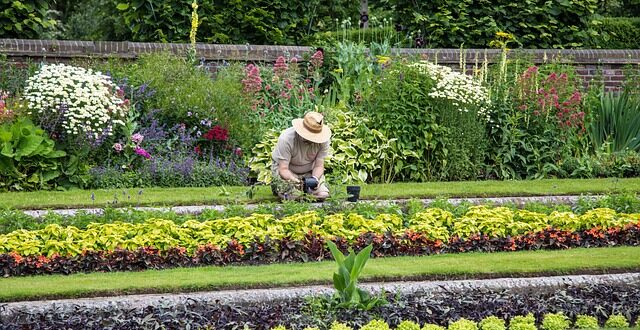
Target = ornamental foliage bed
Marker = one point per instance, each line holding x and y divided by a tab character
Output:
439	307
262	238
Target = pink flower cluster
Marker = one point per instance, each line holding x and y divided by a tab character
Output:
317	59
553	96
281	67
252	83
136	139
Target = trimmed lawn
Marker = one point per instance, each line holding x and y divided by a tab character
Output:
233	195
467	265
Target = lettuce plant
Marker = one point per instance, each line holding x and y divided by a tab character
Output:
616	321
586	322
557	321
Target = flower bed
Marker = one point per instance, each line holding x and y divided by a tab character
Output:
431	308
262	238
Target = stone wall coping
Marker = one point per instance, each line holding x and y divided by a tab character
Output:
268	53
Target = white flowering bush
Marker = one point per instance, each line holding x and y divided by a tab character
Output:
74	102
463	91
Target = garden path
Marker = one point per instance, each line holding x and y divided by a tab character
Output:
196	209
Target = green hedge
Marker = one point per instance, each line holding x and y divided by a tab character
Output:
534	23
225	21
618	33
24	19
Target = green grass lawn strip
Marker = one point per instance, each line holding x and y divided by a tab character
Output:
467	265
230	195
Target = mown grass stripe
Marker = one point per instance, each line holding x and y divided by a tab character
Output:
468	265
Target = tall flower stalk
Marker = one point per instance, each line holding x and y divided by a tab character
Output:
191	54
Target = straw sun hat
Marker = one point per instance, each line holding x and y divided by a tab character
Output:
311	127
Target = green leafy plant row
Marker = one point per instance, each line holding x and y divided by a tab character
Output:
434	223
550	321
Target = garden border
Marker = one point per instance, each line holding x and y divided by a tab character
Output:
257	295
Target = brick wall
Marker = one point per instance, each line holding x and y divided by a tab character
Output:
590	63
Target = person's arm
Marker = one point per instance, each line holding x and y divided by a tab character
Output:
285	173
318	169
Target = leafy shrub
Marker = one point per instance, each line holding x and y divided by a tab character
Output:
557	321
408	325
29	159
187	94
537	123
492	323
586	322
360	154
440	136
535	23
616	321
617	33
430	326
75	105
520	322
27	19
463	324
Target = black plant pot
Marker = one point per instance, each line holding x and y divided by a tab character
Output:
353	193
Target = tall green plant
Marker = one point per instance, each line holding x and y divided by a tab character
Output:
345	281
616	123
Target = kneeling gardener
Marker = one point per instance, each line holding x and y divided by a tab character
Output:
298	158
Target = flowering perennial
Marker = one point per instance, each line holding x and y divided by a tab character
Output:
552	98
217	133
464	92
5	111
93	105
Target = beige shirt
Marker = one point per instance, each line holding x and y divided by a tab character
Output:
300	154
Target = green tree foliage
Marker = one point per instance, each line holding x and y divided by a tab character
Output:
535	23
24	19
624	8
618	33
228	21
